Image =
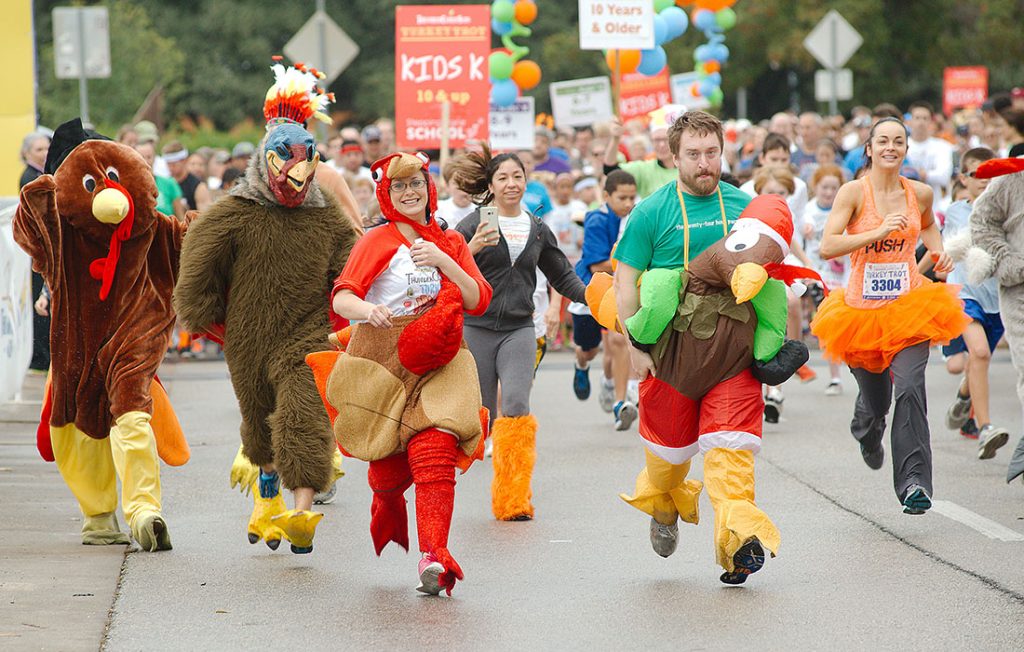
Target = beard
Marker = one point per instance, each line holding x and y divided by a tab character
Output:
700	185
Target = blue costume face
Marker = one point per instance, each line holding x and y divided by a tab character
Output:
291	157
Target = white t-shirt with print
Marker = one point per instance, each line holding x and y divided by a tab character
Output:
516	231
403	287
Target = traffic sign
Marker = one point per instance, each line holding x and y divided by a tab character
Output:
843	85
833	40
319	39
81	42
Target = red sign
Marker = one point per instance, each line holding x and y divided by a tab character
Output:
640	94
964	86
441	55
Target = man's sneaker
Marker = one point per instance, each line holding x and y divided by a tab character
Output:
326	497
664	538
835	388
959	412
969	429
917	501
607	396
806	374
625	414
581	383
990	439
430	571
873	457
773	405
748	560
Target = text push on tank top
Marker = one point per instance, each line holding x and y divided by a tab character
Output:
885	270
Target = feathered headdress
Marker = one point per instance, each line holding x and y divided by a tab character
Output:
295	96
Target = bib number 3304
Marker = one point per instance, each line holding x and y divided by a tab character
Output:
886	280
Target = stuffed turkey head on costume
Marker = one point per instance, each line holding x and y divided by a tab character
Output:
291	158
104	190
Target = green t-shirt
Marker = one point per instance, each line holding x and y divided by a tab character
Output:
649	175
168	191
654	232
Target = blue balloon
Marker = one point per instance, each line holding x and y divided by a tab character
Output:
499	27
703	53
706	22
660	30
715	78
707	88
676	20
720	52
504	92
652	61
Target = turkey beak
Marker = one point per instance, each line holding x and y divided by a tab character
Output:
110	206
300	172
747	281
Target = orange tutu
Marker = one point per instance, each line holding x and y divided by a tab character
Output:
870	338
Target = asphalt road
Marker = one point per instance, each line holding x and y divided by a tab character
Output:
853	573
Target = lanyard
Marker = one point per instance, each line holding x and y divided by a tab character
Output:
686	223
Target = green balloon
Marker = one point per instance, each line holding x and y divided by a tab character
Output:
503	11
726	18
659	5
500	65
716	97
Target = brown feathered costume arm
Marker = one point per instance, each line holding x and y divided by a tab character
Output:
37	225
207	258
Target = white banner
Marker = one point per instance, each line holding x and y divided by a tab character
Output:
15	310
580	102
616	25
681	94
512	126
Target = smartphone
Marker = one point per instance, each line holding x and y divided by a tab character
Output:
489	214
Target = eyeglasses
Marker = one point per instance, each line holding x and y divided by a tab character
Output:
970	175
415	184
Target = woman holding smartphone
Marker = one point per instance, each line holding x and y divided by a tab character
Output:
509	245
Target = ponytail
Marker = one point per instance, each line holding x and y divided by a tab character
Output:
472	173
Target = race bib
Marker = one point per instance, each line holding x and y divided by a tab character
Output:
886	280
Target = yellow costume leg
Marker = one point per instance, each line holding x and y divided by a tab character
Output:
133	448
663	491
741	529
88	470
263	510
243	472
299	526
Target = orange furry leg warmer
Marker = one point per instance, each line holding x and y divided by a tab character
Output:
515	451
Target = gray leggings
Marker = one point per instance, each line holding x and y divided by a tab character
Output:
507	356
911	440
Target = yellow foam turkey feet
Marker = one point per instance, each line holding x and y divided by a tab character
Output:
102	530
243	472
298	526
263	510
150	532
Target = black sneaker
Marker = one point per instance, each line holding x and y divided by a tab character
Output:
874	457
748	560
970	429
917	501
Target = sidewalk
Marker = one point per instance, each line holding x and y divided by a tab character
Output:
54	592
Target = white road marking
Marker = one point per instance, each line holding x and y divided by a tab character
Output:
989	528
560	541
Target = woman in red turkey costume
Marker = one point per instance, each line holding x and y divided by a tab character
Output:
405	391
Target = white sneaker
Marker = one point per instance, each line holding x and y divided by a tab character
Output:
990	439
835	388
488	447
633	392
773	405
607	395
625	414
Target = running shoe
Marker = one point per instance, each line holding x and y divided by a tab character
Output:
664	538
806	374
873	457
488	447
607	395
326	497
581	383
958	412
990	439
430	572
917	501
748	560
773	405
835	388
625	414
969	429
633	392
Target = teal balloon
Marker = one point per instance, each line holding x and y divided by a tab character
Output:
716	78
703	53
504	92
500	28
726	18
503	11
500	65
662	5
716	97
660	31
652	61
676	20
707	88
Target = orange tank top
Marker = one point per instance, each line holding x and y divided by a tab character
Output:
884	271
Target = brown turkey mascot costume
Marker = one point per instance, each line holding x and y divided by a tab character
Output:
110	260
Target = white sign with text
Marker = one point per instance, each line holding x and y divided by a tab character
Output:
616	25
512	126
580	102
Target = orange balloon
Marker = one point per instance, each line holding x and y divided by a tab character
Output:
526	74
629	60
714	5
712	66
695	90
684	3
526	11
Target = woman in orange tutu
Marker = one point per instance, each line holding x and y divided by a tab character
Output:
883	324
